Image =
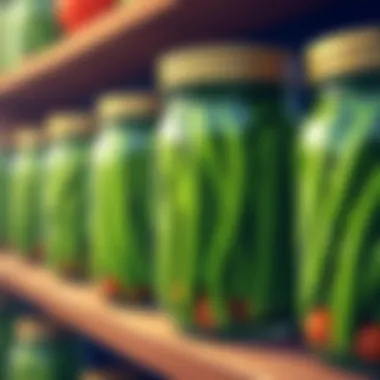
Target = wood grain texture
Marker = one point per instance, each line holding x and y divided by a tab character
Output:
149	338
123	45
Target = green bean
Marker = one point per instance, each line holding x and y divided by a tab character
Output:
344	299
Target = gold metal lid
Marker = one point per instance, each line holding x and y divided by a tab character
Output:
127	104
68	123
26	136
30	329
221	64
343	52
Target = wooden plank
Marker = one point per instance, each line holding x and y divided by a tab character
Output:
149	338
123	45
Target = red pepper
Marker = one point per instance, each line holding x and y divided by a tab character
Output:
317	328
74	14
110	288
204	316
239	309
367	343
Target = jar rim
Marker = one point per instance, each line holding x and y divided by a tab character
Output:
227	63
61	124
124	104
343	52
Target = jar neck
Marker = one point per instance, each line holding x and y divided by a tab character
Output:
361	86
129	124
351	95
39	4
30	149
34	343
255	91
73	140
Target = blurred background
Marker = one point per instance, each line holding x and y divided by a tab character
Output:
189	189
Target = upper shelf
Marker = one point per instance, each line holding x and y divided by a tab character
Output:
147	336
124	43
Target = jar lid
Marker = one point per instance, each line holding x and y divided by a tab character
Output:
68	123
127	104
221	64
27	135
30	329
343	52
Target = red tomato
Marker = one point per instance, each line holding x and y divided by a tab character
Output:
317	328
204	316
110	288
367	344
74	14
239	310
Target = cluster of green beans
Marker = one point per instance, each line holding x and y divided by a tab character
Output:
24	212
339	212
121	237
4	174
65	196
223	183
31	358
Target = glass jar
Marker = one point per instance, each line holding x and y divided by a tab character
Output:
30	27
31	356
224	261
6	318
5	159
338	199
7	42
66	346
121	232
3	9
24	212
7	201
65	195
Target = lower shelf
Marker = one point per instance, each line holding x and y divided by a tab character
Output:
148	336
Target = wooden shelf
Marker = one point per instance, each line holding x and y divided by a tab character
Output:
149	338
124	43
